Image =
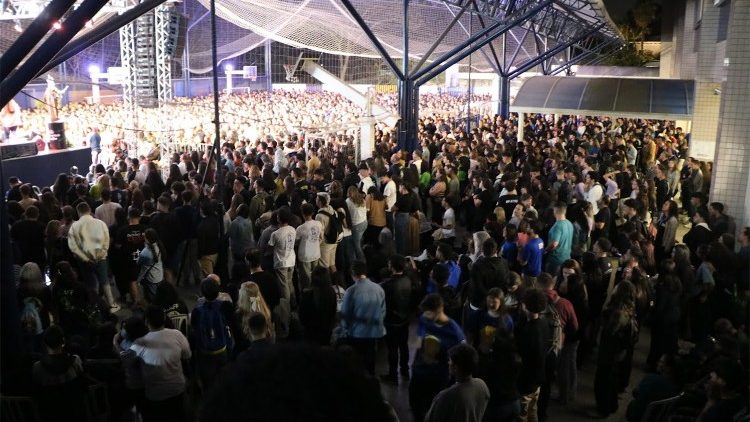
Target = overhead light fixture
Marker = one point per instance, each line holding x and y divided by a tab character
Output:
94	69
89	24
57	26
228	67
17	26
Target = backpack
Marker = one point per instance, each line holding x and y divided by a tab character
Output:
334	229
31	323
212	332
556	342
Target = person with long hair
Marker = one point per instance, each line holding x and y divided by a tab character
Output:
317	308
665	314
61	187
619	331
666	230
376	217
358	212
151	264
686	275
250	301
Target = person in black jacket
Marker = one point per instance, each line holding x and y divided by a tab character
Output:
208	238
665	314
317	308
398	290
700	234
488	272
533	341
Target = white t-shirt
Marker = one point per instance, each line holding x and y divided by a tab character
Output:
308	236
449	218
358	213
390	195
366	183
282	241
593	195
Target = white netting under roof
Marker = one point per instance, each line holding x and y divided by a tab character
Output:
325	26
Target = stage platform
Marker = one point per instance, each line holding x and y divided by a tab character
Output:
42	169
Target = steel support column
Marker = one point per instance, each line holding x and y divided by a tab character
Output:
267	64
503	104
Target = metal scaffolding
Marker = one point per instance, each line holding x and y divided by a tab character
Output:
162	16
515	36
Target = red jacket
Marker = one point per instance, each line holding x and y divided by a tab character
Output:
567	314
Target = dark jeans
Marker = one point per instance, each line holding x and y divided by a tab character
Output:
209	367
397	340
606	383
365	348
169	410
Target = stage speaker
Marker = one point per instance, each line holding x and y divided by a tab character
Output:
57	135
177	33
20	149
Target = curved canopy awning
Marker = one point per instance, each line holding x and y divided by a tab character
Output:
663	99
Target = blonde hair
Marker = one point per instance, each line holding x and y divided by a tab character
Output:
250	300
500	214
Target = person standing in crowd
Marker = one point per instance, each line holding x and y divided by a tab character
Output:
106	210
430	370
95	144
317	308
567	371
151	264
28	236
129	241
398	300
308	237
362	315
284	258
699	234
466	400
327	216
211	334
162	353
531	253
534	337
88	240
208	235
240	233
560	239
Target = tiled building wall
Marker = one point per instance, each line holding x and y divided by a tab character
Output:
731	175
705	119
686	54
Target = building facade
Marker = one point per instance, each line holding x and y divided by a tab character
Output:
709	41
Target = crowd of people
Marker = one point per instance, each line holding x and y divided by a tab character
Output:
186	123
519	261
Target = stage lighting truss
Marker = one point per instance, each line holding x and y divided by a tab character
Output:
30	9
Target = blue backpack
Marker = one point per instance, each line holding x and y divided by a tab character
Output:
212	332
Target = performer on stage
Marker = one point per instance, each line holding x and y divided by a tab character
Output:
11	118
52	96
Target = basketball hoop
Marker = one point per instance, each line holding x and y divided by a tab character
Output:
290	70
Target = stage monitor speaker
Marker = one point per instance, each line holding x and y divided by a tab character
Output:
177	34
57	135
21	149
